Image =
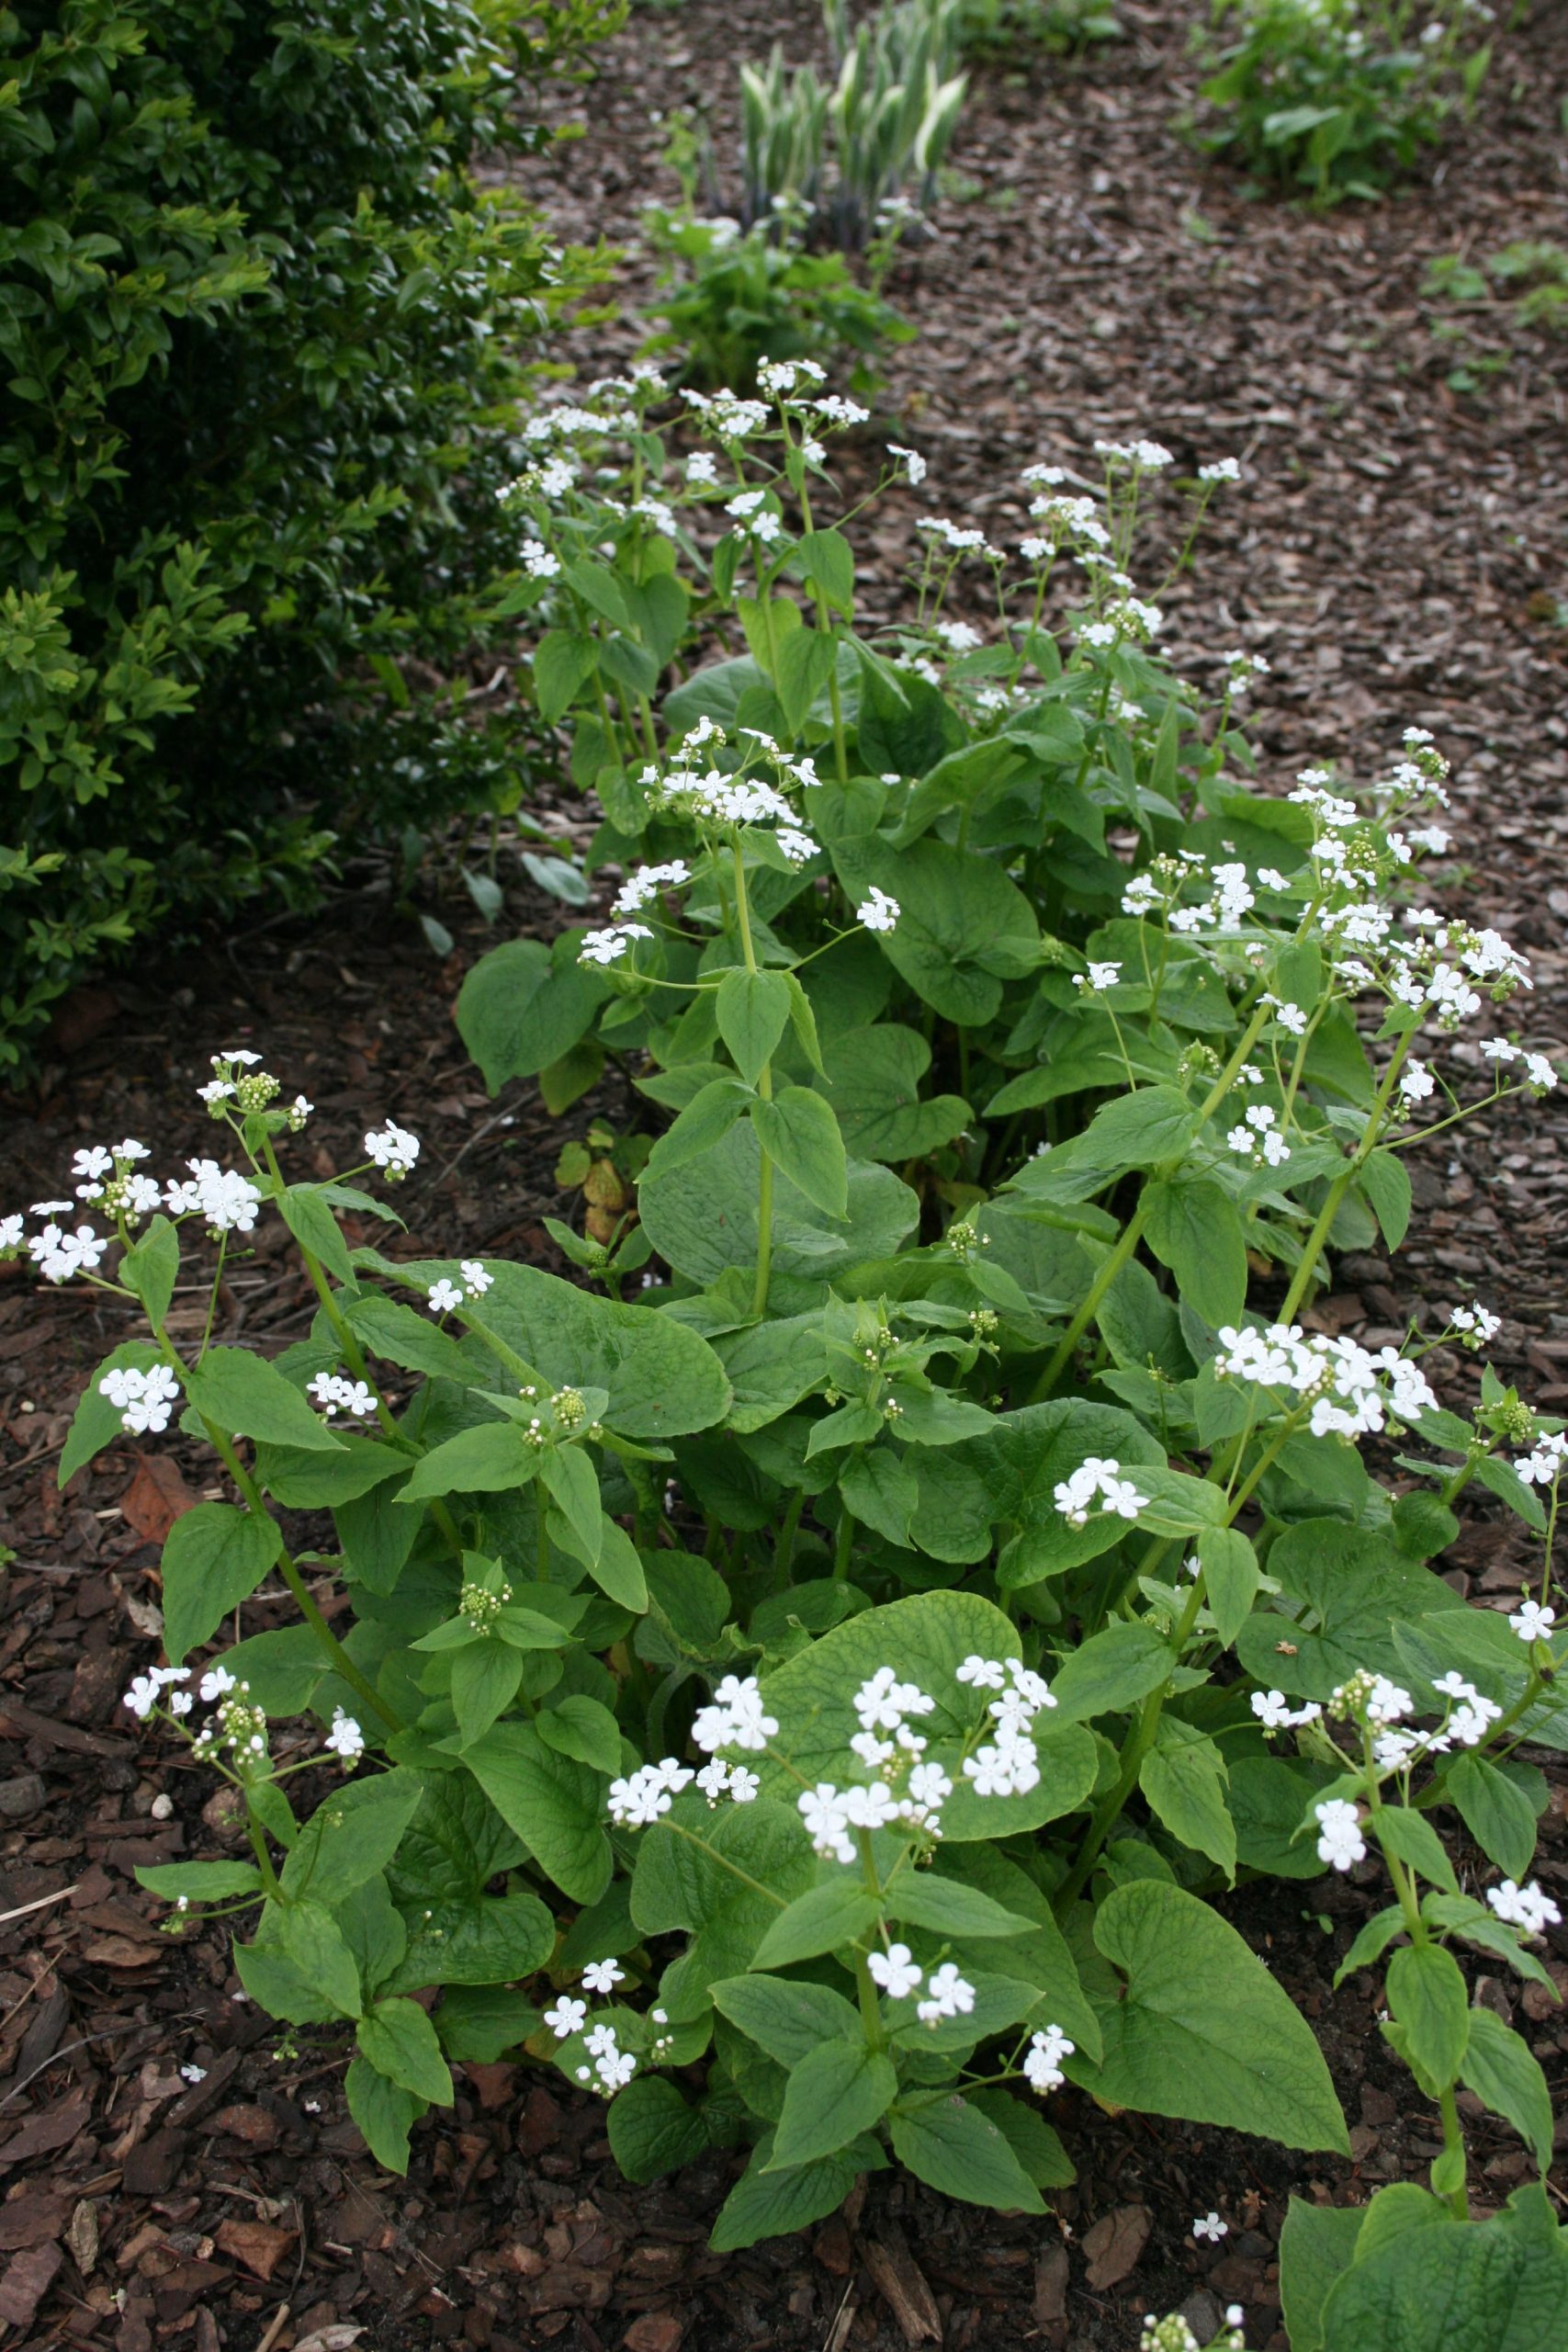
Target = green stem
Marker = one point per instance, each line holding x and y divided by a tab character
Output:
1416	1929
784	1550
765	1090
258	1847
1311	1250
843	1540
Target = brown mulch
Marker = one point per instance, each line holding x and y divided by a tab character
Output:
1397	553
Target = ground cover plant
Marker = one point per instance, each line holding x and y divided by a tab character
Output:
263	336
1337	98
853	1661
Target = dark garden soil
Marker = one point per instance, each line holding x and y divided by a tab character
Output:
1399	552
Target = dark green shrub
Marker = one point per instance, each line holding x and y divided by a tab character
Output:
260	330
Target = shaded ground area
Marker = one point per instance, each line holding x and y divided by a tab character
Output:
1398	555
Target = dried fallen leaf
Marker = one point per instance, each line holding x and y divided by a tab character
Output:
336	2336
255	2243
1114	2244
81	2236
156	1497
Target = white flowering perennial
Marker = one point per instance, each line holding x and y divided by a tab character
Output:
333	1393
1341	1843
1525	1908
392	1149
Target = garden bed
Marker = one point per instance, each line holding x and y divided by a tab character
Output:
1396	555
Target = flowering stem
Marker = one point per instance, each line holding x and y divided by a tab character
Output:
264	1859
1313	1248
1415	1928
765	1089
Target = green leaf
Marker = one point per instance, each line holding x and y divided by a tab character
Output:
1195	1230
962	928
384	2113
298	1967
662	1380
873	1076
398	2041
828	564
953	2146
310	1219
1111	1672
805	659
825	1918
151	1268
1140	1130
485	1675
703	1221
653	2130
1202	2031
948	1907
1044	2160
564	661
246	1396
768	2204
727	1890
1502	2070
1427	1997
800	1135
880	1490
390	1327
1231	1577
199	1881
353	1833
572	1484
1317	2242
478	1940
834	2093
214	1558
707	1119
1495	1810
552	1803
1184	1781
752	1009
1385	1182
487	1460
479	2023
580	1726
1492	2286
786	2018
303	1481
523	1006
1028	1454
1412	1836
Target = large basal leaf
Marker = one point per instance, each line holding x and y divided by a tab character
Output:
873	1084
962	926
1354	1590
662	1379
727	1877
552	1803
523	1006
1029	1453
925	1637
702	1219
1202	2031
1494	2285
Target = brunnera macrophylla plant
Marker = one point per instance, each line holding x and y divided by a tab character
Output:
814	1704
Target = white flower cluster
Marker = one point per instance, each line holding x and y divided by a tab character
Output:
1542	1465
224	1199
1341	1843
1259	1138
638	888
879	913
1097	1483
569	2015
1539	1074
57	1254
948	1994
1474	1324
392	1149
108	1178
333	1393
444	1295
144	1399
1147	456
1526	1906
636	1802
1354	1392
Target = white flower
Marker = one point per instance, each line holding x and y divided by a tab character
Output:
474	1274
645	884
603	1975
744	1786
1210	2226
1097	1481
216	1684
649	1792
192	2074
826	1822
609	946
985	1673
567	2018
1416	1080
1275	1714
392	1149
879	913
1341	1842
144	1398
224	1199
736	1718
1097	978
1540	1074
914	464
141	1697
1524	1907
334	1393
1042	2064
948	1995
1532	1622
443	1296
345	1738
1220	470
895	1971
